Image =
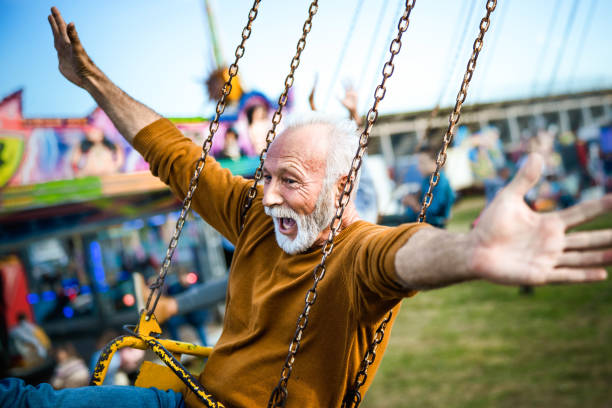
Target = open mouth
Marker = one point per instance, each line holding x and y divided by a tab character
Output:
286	225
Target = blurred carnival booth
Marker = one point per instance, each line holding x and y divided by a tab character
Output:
80	212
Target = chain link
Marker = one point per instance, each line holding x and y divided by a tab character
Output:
456	113
193	184
279	394
282	101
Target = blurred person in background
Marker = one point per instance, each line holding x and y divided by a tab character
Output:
131	359
196	298
231	149
488	161
257	118
30	342
71	371
366	200
443	194
195	318
595	164
570	182
96	155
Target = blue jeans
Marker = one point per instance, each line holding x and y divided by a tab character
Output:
15	393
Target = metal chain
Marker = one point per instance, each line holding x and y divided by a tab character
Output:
456	113
193	184
278	397
352	398
282	101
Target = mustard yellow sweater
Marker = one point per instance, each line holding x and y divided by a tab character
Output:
267	287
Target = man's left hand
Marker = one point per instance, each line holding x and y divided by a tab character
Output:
514	245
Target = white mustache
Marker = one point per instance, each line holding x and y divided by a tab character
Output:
281	212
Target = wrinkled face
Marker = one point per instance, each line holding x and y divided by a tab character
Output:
295	194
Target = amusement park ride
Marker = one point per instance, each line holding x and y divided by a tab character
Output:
146	333
235	105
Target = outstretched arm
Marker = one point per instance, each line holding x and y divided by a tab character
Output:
511	245
128	115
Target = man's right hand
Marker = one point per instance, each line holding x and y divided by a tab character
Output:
128	115
74	63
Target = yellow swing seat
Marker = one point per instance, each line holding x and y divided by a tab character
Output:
151	374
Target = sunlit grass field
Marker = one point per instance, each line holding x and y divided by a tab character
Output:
479	345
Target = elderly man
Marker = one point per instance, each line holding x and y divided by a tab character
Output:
371	269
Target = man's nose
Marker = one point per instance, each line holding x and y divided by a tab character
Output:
271	195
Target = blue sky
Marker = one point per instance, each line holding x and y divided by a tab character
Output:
159	51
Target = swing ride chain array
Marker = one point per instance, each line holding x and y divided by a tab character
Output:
278	397
193	184
278	114
353	396
456	113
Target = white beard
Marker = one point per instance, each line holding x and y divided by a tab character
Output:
309	226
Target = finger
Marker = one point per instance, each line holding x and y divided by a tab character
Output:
589	240
585	258
569	275
74	38
586	211
61	24
54	28
528	175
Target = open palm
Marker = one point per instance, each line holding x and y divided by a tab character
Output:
517	246
74	63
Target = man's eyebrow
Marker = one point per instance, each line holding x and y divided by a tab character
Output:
291	170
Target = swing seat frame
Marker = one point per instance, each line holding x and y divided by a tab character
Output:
172	376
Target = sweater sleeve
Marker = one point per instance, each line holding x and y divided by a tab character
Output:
375	284
172	157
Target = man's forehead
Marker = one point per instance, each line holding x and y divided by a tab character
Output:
306	145
312	138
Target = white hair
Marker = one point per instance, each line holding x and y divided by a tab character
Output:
343	138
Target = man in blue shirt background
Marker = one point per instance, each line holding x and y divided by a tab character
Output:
443	195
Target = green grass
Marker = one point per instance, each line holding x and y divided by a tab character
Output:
481	345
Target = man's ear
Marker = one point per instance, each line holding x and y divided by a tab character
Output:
340	186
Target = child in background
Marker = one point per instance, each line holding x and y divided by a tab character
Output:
71	371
